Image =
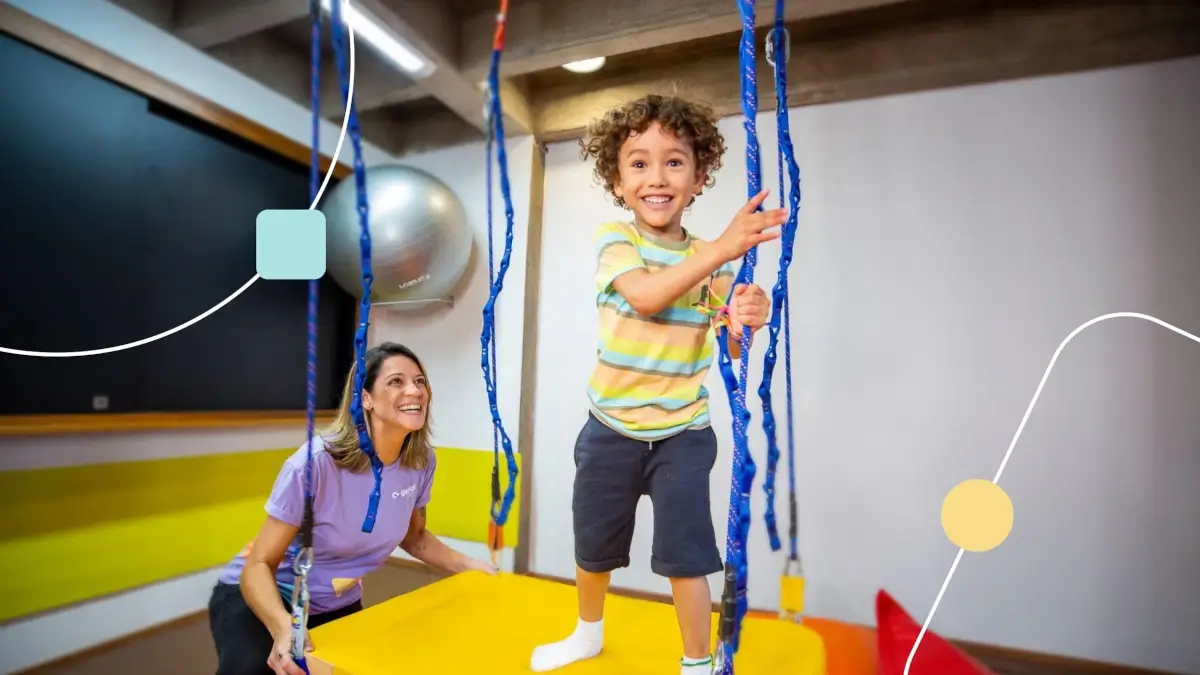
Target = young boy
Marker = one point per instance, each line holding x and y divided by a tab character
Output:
648	432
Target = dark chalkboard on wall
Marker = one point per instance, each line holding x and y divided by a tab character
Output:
123	218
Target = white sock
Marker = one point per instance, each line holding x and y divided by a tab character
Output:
584	643
702	666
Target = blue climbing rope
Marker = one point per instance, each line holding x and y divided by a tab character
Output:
779	294
302	563
494	114
304	556
314	187
360	335
491	373
733	602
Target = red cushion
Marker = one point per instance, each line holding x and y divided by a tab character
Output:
897	634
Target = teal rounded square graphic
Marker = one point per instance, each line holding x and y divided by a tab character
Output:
290	244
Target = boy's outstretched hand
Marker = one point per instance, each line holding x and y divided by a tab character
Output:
750	228
749	308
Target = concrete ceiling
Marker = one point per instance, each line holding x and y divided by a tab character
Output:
842	50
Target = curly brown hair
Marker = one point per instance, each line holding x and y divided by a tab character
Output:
688	120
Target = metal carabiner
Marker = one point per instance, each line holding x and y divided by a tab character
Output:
720	657
488	93
769	47
495	539
300	602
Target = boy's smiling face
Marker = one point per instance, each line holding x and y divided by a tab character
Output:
658	178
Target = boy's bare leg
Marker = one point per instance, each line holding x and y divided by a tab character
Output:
588	638
693	608
592	589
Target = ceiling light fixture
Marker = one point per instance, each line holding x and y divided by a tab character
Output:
391	47
586	65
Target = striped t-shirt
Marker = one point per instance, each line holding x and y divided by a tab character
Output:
649	377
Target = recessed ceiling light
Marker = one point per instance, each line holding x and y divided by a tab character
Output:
586	65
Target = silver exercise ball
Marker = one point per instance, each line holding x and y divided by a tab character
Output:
420	241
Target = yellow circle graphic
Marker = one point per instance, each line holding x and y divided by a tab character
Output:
977	515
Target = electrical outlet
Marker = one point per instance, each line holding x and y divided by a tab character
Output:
100	402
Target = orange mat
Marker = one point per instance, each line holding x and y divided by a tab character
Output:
849	649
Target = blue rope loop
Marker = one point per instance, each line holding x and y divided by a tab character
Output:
501	505
491	367
779	297
364	320
734	600
785	307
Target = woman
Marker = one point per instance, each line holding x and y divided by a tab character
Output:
250	609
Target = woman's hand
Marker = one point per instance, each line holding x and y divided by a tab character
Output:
280	659
479	566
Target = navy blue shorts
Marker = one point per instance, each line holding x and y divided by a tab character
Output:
613	471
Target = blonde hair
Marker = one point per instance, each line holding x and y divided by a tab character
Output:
341	437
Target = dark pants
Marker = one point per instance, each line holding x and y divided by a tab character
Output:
613	471
243	642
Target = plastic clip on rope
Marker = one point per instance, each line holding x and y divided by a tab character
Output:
494	112
300	604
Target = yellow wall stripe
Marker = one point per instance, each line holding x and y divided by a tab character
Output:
75	533
462	496
40	501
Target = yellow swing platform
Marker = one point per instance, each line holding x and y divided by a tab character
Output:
476	623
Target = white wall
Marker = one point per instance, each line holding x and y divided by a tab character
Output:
447	337
126	36
948	242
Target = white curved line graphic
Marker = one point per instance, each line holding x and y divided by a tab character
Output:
138	343
1017	436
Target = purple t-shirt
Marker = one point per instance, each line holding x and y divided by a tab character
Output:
342	553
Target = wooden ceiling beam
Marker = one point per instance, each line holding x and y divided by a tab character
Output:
208	23
992	45
427	130
376	84
545	34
